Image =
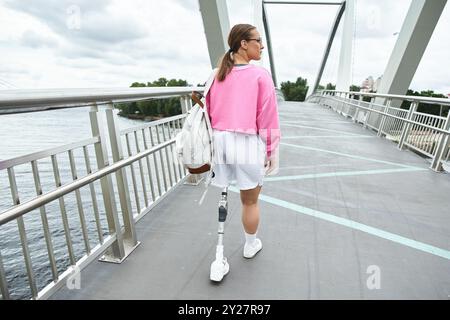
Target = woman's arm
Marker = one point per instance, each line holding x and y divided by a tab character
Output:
267	115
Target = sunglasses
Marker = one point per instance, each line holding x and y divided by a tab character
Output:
259	40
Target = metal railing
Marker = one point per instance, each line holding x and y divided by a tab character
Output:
424	133
148	147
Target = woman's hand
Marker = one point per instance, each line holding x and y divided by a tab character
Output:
271	164
197	97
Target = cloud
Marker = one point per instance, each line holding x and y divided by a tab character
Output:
13	69
102	43
86	22
106	29
379	19
189	5
34	40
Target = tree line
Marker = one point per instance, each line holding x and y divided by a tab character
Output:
292	91
153	108
296	91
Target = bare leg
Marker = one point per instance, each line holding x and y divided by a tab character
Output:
250	209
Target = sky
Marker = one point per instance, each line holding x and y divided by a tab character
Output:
112	43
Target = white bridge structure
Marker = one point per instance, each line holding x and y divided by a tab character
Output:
362	188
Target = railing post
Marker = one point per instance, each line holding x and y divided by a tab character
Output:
405	131
3	282
366	119
343	98
184	106
355	118
189	102
116	253
349	107
335	106
383	117
23	235
122	183
443	146
322	97
333	101
345	108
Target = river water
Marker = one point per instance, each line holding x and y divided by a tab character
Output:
26	133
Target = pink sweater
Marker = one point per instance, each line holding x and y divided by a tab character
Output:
246	102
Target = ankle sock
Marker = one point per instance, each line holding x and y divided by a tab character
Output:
250	238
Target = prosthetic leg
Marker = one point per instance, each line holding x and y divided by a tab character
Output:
220	267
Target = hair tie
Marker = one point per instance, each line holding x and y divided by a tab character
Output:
230	50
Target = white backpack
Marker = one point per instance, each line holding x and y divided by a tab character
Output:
194	144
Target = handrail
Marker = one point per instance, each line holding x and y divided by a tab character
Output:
39	201
392	96
15	101
152	123
434	134
399	118
5	164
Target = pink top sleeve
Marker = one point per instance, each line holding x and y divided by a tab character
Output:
267	114
208	101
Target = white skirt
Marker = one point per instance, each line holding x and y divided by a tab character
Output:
239	158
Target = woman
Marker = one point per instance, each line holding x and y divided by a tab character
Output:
243	110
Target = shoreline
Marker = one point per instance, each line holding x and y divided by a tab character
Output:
140	117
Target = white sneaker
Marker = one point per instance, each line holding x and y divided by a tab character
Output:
251	250
219	269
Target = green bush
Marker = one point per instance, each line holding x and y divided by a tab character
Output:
154	107
295	91
434	109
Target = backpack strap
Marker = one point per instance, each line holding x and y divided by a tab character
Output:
209	176
208	122
210	81
197	96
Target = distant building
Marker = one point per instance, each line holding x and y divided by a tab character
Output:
377	84
367	85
